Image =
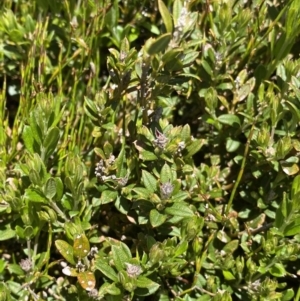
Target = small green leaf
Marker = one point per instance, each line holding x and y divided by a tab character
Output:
171	54
159	44
228	275
35	128
292	228
142	193
147	156
4	292
106	269
179	209
283	211
207	67
120	162
174	65
223	237
180	196
232	145
51	141
121	254
129	283
295	186
194	147
50	188
14	268
165	16
65	250
145	282
108	149
29	139
149	181
181	248
177	9
185	134
91	109
166	174
156	219
257	222
125	47
6	234
81	246
231	246
229	119
35	196
189	58
108	196
278	270
145	286
110	288
19	232
59	188
28	232
245	89
287	294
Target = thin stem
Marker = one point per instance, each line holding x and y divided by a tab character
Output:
241	172
59	212
29	248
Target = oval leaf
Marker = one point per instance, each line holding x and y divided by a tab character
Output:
145	286
229	119
35	196
179	209
166	174
51	141
278	270
165	16
86	280
120	256
149	181
65	250
156	219
50	188
231	246
228	275
7	234
106	269
160	44
108	196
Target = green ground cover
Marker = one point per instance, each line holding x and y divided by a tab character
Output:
149	150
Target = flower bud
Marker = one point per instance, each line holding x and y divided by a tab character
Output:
161	140
127	282
251	266
133	270
197	245
166	190
26	264
240	263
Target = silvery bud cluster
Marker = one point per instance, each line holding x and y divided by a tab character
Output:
166	190
161	140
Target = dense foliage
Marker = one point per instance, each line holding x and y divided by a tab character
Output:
149	150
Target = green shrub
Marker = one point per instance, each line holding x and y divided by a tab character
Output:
149	150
